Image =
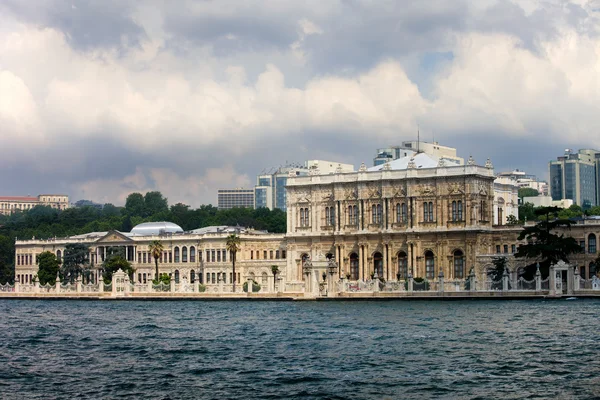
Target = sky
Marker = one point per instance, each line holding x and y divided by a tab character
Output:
99	99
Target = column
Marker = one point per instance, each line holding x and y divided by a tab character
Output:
361	252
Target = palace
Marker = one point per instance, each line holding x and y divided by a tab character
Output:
10	204
417	216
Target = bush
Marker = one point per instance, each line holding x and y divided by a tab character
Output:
163	278
255	287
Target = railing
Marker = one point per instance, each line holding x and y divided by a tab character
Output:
524	284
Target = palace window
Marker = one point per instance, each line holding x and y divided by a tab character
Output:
283	254
376	214
329	216
304	219
459	265
428	211
429	265
218	256
402	266
353	267
224	255
277	254
592	243
457	211
270	254
352	215
192	254
184	254
176	254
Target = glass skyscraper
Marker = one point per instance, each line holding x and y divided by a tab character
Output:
575	176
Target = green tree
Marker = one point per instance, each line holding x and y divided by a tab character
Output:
156	248
155	203
232	245
75	261
496	273
112	264
48	266
527	212
135	205
527	192
512	220
543	244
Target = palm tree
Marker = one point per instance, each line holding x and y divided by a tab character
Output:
233	245
156	248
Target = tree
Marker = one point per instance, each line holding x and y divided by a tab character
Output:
275	271
135	205
156	249
75	260
495	274
233	246
113	263
527	212
155	203
545	246
48	266
512	220
527	192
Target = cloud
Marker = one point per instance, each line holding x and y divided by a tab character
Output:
200	96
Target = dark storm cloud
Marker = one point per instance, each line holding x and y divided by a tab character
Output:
86	24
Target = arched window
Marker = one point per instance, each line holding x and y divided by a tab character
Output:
378	264
176	254
592	243
265	278
176	276
429	265
184	254
354	267
402	266
192	276
59	255
459	265
192	254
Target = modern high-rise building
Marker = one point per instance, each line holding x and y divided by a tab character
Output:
232	198
576	176
409	147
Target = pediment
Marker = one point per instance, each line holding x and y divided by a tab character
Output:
113	237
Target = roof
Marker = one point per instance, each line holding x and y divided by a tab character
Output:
421	160
155	228
18	198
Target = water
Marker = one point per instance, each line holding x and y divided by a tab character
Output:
283	350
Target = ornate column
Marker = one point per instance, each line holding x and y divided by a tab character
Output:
361	253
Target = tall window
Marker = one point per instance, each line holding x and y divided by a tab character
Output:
404	213
429	265
459	265
184	254
428	211
592	243
402	265
304	221
192	254
176	254
330	216
378	264
376	214
355	211
354	267
454	211
457	211
350	216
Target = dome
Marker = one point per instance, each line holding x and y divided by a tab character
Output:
155	228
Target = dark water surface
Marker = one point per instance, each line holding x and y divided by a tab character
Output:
281	350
